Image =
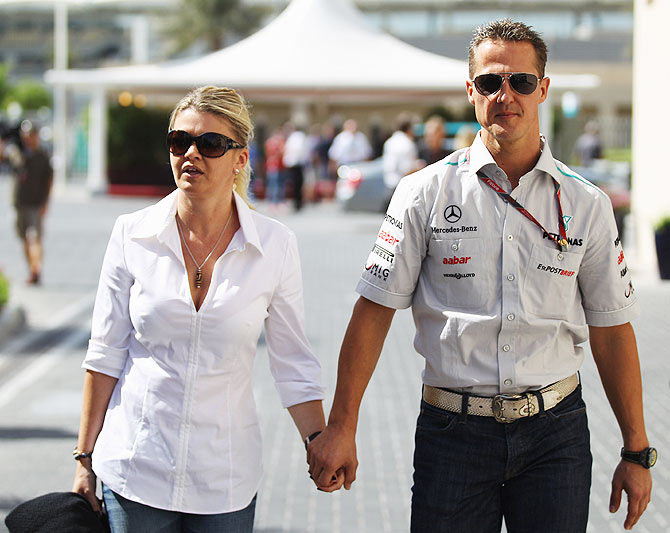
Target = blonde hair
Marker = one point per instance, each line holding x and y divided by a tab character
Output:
229	105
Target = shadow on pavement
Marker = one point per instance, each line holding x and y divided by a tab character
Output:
7	433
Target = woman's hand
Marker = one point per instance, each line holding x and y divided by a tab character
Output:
85	483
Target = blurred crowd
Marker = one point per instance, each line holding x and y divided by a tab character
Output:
296	163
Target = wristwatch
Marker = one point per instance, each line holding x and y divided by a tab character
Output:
311	438
646	457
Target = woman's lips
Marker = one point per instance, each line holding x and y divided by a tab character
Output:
192	171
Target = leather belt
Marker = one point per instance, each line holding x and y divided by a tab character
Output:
505	408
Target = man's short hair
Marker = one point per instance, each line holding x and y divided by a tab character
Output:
507	30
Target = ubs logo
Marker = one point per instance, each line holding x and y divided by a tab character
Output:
453	214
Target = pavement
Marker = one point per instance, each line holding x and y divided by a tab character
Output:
40	377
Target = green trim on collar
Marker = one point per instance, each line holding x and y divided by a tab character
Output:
575	176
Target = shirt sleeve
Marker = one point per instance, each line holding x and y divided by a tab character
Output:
294	367
608	296
393	266
111	326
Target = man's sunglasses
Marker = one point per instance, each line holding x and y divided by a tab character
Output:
522	83
209	144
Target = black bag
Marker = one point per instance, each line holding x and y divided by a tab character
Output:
56	512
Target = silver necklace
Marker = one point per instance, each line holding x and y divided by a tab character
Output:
198	272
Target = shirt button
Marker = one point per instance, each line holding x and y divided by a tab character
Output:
508	382
510	237
506	348
510	277
559	257
510	316
454	247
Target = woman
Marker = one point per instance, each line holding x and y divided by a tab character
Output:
186	287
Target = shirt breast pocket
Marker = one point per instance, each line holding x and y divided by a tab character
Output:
550	284
455	268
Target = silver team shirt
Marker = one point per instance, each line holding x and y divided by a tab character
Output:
497	306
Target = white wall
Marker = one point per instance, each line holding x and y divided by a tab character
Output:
651	122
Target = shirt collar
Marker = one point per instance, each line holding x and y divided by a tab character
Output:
481	159
160	223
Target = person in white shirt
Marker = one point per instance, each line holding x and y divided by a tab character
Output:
168	420
296	158
400	153
350	145
510	262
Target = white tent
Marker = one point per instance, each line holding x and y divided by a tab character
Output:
314	50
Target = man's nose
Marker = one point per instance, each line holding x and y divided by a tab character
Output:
505	92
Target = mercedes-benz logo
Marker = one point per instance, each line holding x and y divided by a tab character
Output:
452	213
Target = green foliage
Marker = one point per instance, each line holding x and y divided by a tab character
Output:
30	94
136	146
663	225
211	21
5	86
618	154
4	290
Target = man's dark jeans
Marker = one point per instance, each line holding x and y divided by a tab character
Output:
470	472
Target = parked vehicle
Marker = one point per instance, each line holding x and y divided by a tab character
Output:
360	186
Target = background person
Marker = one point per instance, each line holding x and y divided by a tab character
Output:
350	145
501	307
32	186
432	146
588	146
400	154
186	287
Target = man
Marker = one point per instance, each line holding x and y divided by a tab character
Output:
501	306
350	145
34	176
400	154
295	159
431	147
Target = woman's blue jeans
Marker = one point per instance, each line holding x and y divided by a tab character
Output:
471	472
126	516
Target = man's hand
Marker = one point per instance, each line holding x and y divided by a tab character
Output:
636	481
333	455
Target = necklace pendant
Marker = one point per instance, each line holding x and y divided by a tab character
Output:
198	278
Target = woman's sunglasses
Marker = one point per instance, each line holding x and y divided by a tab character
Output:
209	144
522	83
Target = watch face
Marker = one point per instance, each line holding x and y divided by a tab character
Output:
652	455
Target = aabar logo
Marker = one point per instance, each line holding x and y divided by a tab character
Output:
387	237
455	260
620	259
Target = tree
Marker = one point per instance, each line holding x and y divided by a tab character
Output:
212	22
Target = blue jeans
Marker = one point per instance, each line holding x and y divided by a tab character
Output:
471	472
126	516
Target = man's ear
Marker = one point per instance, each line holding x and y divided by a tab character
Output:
544	89
469	88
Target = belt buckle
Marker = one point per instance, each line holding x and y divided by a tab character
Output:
499	407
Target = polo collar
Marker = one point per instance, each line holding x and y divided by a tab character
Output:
481	159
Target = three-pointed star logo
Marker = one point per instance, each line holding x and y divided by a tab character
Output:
452	213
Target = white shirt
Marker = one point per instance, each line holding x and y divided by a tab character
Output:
181	430
349	147
296	150
497	306
400	155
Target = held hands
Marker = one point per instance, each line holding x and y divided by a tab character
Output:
635	480
332	459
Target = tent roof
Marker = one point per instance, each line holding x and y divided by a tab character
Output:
312	46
